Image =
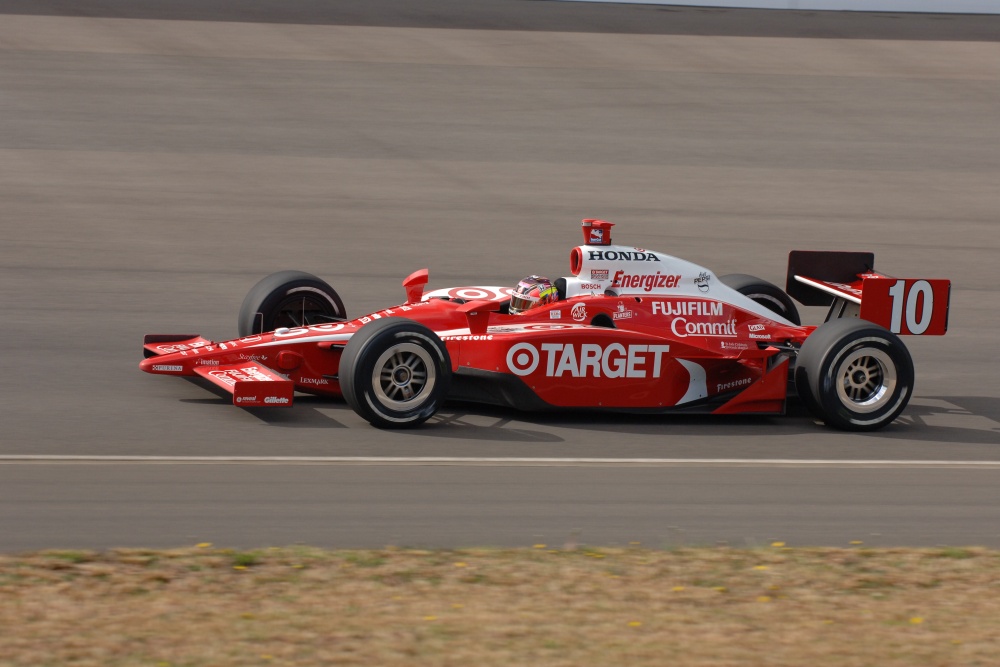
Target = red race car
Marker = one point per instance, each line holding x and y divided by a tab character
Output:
629	330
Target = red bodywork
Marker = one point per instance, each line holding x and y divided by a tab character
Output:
563	363
636	330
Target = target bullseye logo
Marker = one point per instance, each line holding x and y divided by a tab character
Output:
522	359
477	293
471	293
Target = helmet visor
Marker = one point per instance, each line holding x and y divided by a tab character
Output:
521	302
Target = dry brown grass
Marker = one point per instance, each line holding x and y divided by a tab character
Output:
393	607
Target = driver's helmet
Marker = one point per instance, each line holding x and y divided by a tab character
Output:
532	292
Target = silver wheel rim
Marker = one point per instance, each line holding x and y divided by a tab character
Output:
866	380
403	377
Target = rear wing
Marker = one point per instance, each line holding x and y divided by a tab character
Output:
849	284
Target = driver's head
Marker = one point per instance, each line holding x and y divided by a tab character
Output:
532	292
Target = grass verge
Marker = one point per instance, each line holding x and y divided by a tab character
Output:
302	606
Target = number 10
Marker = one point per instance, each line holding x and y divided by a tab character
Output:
912	299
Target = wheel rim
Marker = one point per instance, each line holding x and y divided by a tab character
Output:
866	380
304	307
403	377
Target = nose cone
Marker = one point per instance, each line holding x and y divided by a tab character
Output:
162	365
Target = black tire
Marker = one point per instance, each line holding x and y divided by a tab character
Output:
766	294
289	299
395	373
854	375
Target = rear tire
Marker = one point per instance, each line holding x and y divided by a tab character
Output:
395	373
289	299
854	375
766	294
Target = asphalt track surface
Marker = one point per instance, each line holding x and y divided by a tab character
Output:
156	159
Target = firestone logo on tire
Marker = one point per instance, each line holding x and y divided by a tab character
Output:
587	360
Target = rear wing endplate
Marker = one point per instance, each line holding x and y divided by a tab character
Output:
848	283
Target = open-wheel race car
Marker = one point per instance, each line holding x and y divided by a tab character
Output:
630	330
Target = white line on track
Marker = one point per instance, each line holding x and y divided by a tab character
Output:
478	461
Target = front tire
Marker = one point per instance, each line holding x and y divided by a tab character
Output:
289	299
395	373
766	294
854	375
